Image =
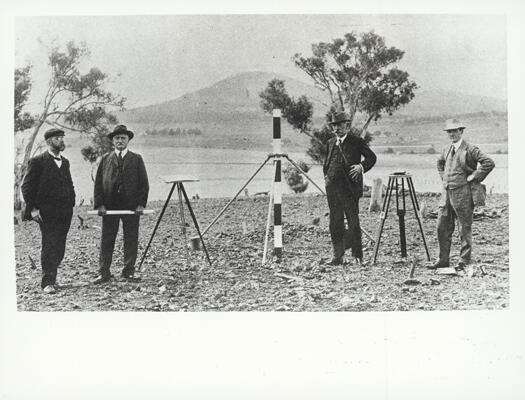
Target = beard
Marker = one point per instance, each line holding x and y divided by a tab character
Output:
58	147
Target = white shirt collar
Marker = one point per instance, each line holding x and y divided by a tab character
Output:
457	144
52	155
341	139
124	152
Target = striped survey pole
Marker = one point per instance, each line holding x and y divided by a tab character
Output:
277	189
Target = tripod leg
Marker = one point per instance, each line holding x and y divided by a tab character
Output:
156	226
195	221
401	215
181	210
268	221
368	235
234	197
384	213
415	204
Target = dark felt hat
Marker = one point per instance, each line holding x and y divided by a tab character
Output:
53	132
120	130
339	117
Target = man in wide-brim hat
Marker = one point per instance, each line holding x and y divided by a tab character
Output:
121	183
339	118
348	157
462	167
120	130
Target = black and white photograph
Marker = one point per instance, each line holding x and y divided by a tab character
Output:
271	211
237	167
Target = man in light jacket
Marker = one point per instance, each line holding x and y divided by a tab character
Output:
462	167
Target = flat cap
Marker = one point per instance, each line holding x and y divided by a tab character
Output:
53	132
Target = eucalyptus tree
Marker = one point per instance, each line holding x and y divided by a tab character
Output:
360	76
74	101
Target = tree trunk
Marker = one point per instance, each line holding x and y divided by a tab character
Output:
377	194
17	186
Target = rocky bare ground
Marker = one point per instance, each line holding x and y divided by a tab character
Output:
176	278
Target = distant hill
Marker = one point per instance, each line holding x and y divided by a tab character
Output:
232	99
237	99
229	115
432	103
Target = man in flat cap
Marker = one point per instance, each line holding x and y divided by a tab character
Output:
49	195
462	167
121	183
348	157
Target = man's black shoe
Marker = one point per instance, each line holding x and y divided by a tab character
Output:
102	279
336	261
437	265
461	266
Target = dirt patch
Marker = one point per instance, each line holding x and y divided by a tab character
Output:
176	278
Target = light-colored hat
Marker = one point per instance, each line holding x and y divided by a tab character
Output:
453	123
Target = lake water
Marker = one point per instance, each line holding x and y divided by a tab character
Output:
222	173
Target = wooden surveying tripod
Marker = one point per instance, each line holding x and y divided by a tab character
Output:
395	181
177	182
276	192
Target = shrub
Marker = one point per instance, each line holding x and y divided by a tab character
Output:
294	178
431	150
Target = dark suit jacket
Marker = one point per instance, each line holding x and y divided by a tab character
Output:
47	186
134	181
356	151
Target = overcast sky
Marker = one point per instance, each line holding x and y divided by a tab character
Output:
162	57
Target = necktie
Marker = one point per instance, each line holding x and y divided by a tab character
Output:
57	158
119	176
453	151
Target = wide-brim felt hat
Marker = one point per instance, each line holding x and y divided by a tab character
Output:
453	123
53	132
339	117
120	130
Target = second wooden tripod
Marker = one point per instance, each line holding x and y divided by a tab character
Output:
396	182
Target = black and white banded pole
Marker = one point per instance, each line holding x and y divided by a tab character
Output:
277	188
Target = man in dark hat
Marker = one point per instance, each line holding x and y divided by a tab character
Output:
121	184
50	197
462	167
348	157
